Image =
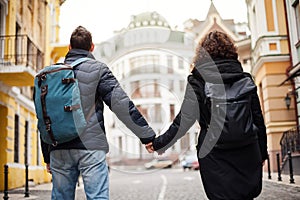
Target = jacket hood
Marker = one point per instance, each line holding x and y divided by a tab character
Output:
224	79
219	71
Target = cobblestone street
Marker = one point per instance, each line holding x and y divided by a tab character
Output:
167	184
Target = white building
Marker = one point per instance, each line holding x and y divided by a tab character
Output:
152	63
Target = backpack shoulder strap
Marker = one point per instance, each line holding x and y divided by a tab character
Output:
78	61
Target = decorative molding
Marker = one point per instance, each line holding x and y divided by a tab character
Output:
269	58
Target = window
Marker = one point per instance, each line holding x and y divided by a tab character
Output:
172	112
16	140
2	16
171	85
143	110
170	64
156	113
120	144
2	28
180	63
182	85
135	89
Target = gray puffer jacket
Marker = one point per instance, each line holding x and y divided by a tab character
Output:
97	84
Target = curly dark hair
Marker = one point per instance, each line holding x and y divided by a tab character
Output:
215	45
81	38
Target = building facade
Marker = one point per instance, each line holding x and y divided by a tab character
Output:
270	62
290	140
293	21
27	29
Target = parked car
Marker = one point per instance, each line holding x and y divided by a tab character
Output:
190	161
159	163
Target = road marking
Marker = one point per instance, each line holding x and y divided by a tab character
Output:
188	178
136	182
163	188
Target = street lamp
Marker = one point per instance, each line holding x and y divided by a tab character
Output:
287	100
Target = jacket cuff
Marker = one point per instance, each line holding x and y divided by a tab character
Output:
147	140
158	145
47	159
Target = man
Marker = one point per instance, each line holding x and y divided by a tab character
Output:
86	154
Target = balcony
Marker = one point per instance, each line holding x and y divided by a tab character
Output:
290	141
20	59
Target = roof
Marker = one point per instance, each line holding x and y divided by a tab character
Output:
147	19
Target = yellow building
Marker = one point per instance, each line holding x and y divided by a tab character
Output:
27	29
270	61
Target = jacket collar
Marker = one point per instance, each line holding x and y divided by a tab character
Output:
74	54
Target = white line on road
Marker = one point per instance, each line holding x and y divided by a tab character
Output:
188	178
163	188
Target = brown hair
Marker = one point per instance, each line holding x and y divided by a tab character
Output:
215	45
81	38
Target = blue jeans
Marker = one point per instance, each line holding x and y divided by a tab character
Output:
66	165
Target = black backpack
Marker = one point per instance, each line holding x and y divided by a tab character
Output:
231	124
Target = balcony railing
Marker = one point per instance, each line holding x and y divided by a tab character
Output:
20	50
290	141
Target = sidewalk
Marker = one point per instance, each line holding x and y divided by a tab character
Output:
40	192
285	179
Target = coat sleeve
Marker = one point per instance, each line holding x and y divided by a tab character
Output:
118	101
45	151
259	122
187	116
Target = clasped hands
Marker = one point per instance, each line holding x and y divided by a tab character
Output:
149	147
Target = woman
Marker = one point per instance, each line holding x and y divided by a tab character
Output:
226	173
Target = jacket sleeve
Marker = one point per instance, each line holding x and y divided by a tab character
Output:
181	124
45	151
259	122
118	101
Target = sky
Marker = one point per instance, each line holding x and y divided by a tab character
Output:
103	17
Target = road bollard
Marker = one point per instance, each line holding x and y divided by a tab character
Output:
269	169
278	167
5	197
26	181
291	167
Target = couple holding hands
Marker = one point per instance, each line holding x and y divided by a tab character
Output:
226	173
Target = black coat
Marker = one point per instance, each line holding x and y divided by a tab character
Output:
226	174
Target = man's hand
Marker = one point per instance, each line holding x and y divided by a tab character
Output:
48	168
149	147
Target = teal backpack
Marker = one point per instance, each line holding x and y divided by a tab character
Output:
57	103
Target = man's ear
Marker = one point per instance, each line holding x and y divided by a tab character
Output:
92	47
70	47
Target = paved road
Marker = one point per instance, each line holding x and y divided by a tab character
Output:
167	184
175	184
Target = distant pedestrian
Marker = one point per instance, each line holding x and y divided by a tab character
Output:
231	163
86	154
